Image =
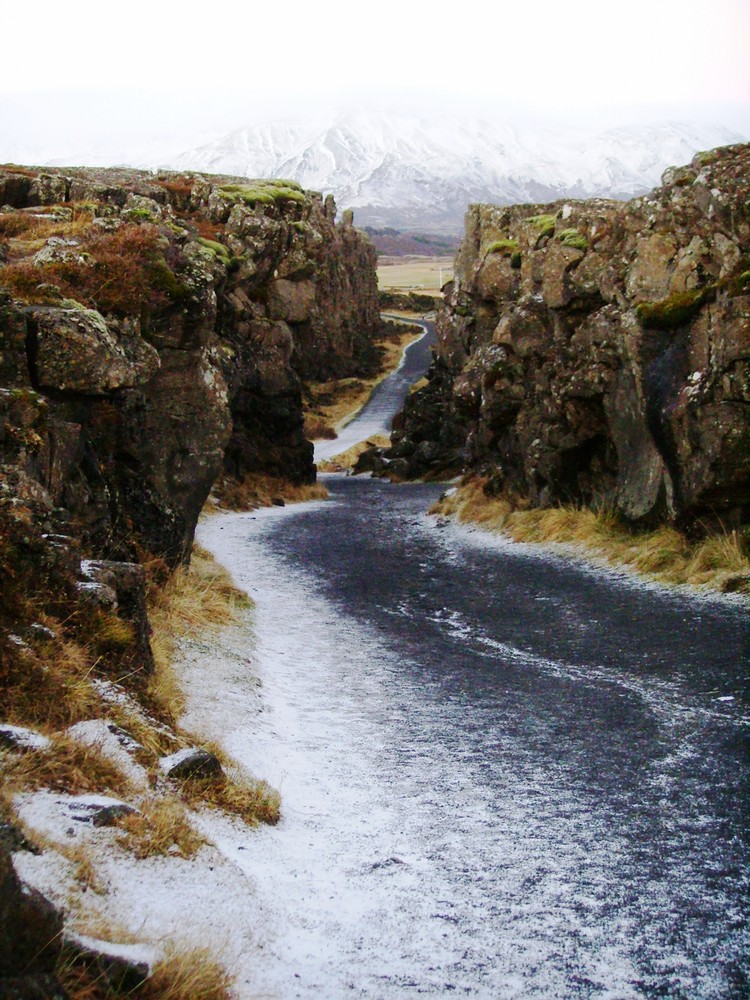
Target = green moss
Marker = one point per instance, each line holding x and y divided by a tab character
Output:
285	182
738	284
706	157
263	192
505	247
573	238
545	223
216	248
163	279
28	396
675	311
139	215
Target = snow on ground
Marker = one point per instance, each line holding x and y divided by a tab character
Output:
159	902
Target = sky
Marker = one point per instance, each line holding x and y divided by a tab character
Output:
115	75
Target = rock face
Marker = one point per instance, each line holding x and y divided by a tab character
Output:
161	333
154	331
30	931
596	352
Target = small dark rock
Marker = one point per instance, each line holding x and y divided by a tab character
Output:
20	738
191	763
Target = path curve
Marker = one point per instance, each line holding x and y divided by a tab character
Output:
376	416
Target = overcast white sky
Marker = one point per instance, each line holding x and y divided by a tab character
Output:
150	68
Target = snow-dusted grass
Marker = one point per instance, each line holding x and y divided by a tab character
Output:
195	598
161	827
150	873
68	765
718	562
179	975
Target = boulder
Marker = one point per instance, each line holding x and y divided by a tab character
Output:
291	301
30	930
74	351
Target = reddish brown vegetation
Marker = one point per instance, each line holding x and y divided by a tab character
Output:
123	272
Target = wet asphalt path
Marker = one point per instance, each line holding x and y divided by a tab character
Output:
569	750
376	417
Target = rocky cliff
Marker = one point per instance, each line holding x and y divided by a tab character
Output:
156	329
595	352
155	332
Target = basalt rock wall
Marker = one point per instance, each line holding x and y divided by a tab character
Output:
156	329
595	352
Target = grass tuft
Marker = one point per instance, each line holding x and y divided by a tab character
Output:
187	976
252	800
544	223
258	489
573	238
195	598
718	562
505	248
67	766
180	975
161	828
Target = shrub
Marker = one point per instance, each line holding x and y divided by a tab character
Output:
125	273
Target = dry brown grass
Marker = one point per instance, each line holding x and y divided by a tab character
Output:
253	801
124	272
30	227
82	858
196	598
180	975
257	489
348	459
156	738
161	828
718	562
330	403
235	792
49	687
189	976
67	766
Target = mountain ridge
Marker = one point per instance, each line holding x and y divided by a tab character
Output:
409	170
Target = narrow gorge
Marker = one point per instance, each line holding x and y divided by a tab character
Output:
503	772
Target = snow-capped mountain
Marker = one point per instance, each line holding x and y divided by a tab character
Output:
407	170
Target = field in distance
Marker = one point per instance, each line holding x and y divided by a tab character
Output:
414	274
